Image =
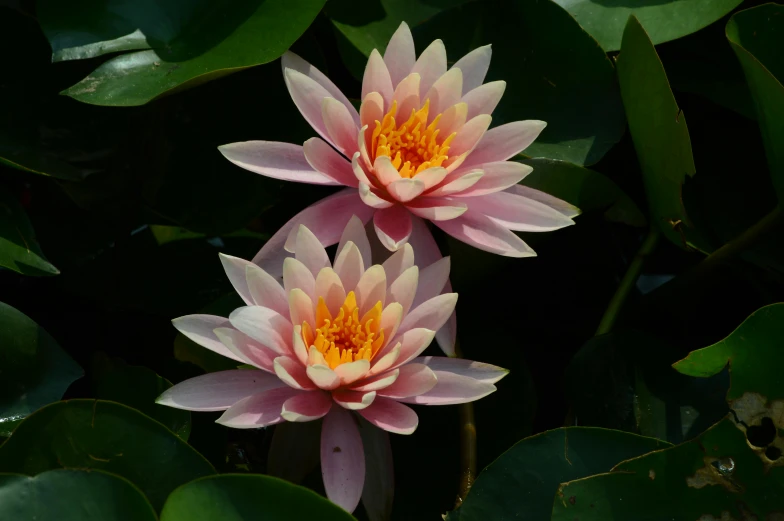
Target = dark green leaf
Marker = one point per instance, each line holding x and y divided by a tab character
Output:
241	497
586	189
96	434
19	249
34	370
137	387
757	37
72	495
521	483
658	129
664	20
201	41
716	476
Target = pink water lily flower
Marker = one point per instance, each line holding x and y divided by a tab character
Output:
420	147
335	340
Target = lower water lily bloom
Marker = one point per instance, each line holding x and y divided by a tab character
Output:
419	148
339	341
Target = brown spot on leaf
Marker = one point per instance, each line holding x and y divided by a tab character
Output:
336	449
717	471
572	500
761	420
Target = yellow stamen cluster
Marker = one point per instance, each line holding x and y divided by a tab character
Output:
414	145
346	337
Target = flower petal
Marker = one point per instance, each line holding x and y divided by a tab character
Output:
340	126
405	190
379	488
391	416
199	328
445	92
400	55
414	379
217	391
518	213
499	175
264	325
289	60
371	110
432	281
391	317
437	208
353	400
481	232
371	288
398	262
355	232
371	198
484	99
424	244
407	97
453	119
460	184
393	226
386	360
376	78
452	389
342	459
235	271
250	351
412	343
323	158
501	143
301	308
284	161
350	372
468	368
447	335
470	135
309	251
292	373
258	410
430	66
374	383
308	95
298	345
432	176
298	276
305	407
404	288
330	288
324	377
265	290
385	172
431	314
474	66
349	266
565	208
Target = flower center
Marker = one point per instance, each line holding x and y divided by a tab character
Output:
346	337
414	145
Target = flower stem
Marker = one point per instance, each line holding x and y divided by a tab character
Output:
467	445
627	283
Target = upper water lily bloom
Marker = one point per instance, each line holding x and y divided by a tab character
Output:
420	147
334	341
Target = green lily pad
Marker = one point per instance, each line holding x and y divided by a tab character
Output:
658	129
242	497
199	42
716	476
587	189
35	369
664	21
96	434
521	483
137	387
72	495
757	37
19	249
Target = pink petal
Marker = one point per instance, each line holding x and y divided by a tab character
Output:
447	335
424	244
264	325
301	308
553	202
437	208
376	78
371	198
405	190
412	343
250	351
292	373
431	314
452	120
323	158
326	219
430	66
259	410
498	176
349	266
452	389
458	185
518	213
298	344
393	226
391	316
484	99
414	379
432	176
199	328
355	232
400	55
474	66
289	60
371	288
308	95
284	161
362	144
340	126
235	271
391	416
353	400
501	143
309	250
468	368
432	281
398	262
324	377
470	135
298	276
374	383
481	232
330	288
407	97
378	490
385	172
404	288
445	92
265	290
342	459
305	407
371	110
350	372
389	356
217	391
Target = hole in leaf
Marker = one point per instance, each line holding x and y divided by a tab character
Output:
763	434
773	453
